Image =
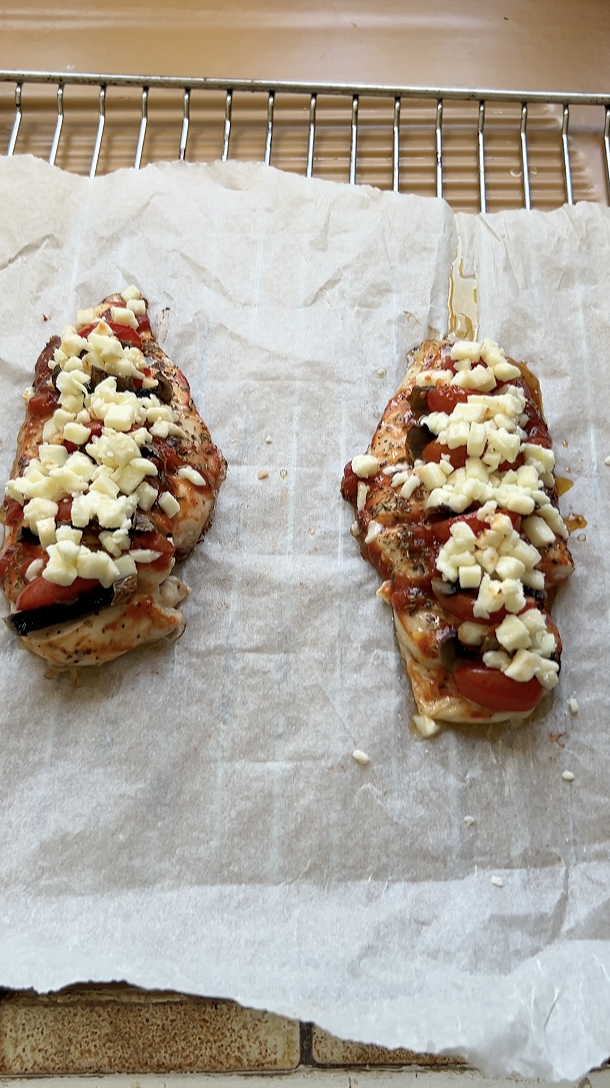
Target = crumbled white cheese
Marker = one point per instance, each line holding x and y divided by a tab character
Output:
129	293
361	757
426	726
410	486
363	490
430	379
573	705
568	776
466	349
497	881
144	555
137	306
34	569
469	820
187	472
374	530
169	504
365	465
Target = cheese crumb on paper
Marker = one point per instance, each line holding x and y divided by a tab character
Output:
497	881
469	820
361	757
573	705
568	776
426	726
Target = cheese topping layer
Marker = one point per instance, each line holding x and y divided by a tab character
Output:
106	476
501	473
496	561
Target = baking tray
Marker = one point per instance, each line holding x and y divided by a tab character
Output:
482	150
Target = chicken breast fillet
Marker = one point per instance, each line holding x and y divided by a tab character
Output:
114	481
456	507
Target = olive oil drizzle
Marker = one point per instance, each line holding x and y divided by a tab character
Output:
462	302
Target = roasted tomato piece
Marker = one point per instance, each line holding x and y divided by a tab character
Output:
495	691
168	456
64	512
39	593
442	529
461	606
445	397
349	483
435	450
13	511
42	370
155	542
124	333
17	558
44	403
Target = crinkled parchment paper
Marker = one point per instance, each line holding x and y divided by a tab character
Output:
191	817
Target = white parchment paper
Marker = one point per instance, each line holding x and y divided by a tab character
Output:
191	817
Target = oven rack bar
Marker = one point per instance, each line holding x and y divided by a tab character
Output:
397	96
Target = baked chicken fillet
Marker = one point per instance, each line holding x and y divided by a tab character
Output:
457	508
114	481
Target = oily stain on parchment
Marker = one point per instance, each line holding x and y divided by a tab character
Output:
462	301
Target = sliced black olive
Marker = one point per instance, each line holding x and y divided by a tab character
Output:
539	595
449	648
26	536
443	589
35	619
164	388
142	524
419	437
123	384
418	400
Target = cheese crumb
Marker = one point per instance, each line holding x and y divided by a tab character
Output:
497	881
573	705
568	776
426	726
469	820
187	472
365	465
169	504
361	757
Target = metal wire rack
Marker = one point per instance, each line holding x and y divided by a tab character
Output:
480	149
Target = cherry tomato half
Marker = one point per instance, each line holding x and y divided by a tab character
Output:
39	593
43	404
156	542
445	397
495	691
349	483
442	529
434	451
18	557
13	511
461	606
124	333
